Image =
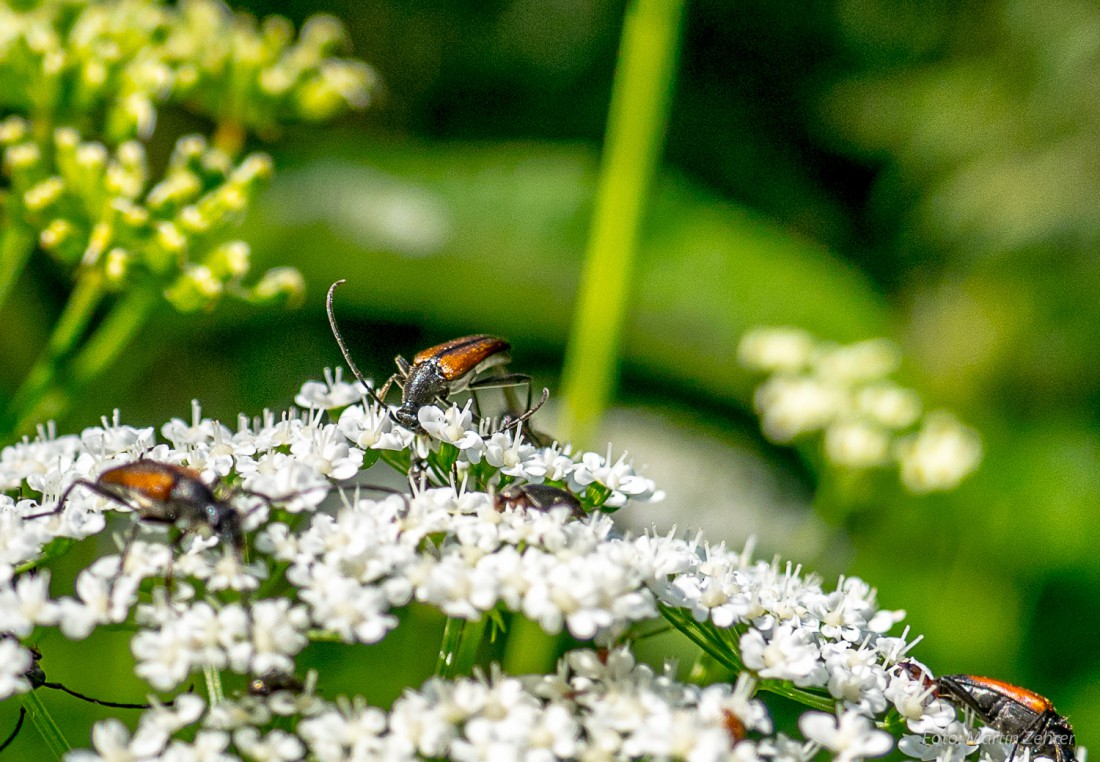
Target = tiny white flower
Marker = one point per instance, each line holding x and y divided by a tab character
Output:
849	736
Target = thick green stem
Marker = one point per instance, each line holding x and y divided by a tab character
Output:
44	723
107	343
632	149
16	245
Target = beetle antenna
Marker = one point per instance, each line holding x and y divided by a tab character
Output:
90	700
343	347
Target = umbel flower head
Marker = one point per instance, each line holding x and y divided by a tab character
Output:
349	557
99	210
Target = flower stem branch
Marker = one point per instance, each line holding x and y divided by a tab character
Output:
104	346
74	320
447	664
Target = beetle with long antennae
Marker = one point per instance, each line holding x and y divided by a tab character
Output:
167	494
37	679
440	371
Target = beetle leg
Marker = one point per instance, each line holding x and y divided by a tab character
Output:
500	382
15	732
506	382
90	485
386	387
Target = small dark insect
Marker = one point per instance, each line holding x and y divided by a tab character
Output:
1017	712
916	672
273	682
37	678
440	371
538	497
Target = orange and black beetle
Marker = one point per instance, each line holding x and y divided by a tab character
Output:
1023	715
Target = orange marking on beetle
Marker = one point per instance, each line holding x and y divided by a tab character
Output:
1030	699
458	357
152	479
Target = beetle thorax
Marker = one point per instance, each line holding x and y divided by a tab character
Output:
424	383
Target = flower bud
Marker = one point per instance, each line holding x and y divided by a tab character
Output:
279	285
195	289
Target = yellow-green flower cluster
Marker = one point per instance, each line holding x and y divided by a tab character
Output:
100	210
866	420
103	67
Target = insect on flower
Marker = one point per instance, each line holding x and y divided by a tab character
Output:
1027	717
440	371
37	679
163	493
538	497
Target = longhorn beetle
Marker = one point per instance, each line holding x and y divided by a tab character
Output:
1028	717
164	493
440	371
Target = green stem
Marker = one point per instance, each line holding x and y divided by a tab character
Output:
108	341
82	304
635	130
724	653
44	723
785	689
707	670
16	244
213	685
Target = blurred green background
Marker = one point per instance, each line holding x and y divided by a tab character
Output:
924	170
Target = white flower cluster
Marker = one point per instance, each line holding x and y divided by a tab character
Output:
867	420
596	706
454	549
350	561
792	628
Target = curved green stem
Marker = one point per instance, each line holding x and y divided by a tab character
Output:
632	150
721	646
44	723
